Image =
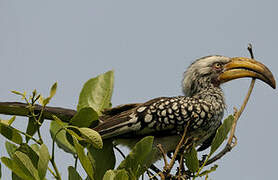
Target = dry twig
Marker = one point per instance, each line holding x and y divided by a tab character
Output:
230	144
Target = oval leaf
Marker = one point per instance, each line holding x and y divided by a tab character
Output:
8	122
11	148
26	164
92	137
15	168
135	161
61	139
102	159
44	158
53	90
84	117
221	133
73	174
84	160
32	128
97	92
29	152
116	175
10	133
191	160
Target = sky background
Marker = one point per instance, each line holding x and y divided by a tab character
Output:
149	44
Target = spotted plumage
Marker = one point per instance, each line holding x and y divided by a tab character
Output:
202	106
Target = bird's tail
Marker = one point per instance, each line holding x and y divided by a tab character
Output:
117	121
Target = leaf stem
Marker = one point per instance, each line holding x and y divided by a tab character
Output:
27	135
57	176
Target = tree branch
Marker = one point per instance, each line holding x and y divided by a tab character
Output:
21	109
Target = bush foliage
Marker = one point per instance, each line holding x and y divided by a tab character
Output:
30	159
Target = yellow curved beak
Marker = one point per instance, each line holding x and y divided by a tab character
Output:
240	67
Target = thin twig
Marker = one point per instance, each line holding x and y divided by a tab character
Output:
181	167
177	149
31	137
151	175
159	146
238	114
167	167
155	169
230	144
50	170
75	161
122	154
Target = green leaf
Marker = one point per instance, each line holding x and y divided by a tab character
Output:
73	174
8	122
35	147
97	92
15	168
18	93
0	171
70	133
102	159
15	177
28	151
84	117
61	139
11	148
191	160
116	175
32	128
44	158
53	90
41	99
92	137
59	121
221	133
10	133
135	162
46	101
84	160
26	164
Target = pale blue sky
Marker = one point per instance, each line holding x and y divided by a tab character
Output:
149	44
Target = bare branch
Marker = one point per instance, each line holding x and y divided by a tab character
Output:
21	109
230	144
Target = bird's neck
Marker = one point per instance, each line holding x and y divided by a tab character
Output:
212	94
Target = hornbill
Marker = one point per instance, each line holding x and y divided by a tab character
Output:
202	106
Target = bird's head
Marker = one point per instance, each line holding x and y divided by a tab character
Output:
214	70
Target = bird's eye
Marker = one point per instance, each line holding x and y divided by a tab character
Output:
217	65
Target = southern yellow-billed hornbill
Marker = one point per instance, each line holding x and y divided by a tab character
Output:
202	106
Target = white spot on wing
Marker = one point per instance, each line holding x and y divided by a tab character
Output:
141	109
175	106
205	107
163	113
190	108
166	121
133	118
148	118
203	114
200	122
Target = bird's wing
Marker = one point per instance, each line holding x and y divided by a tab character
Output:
110	113
157	116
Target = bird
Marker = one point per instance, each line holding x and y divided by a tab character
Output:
201	106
